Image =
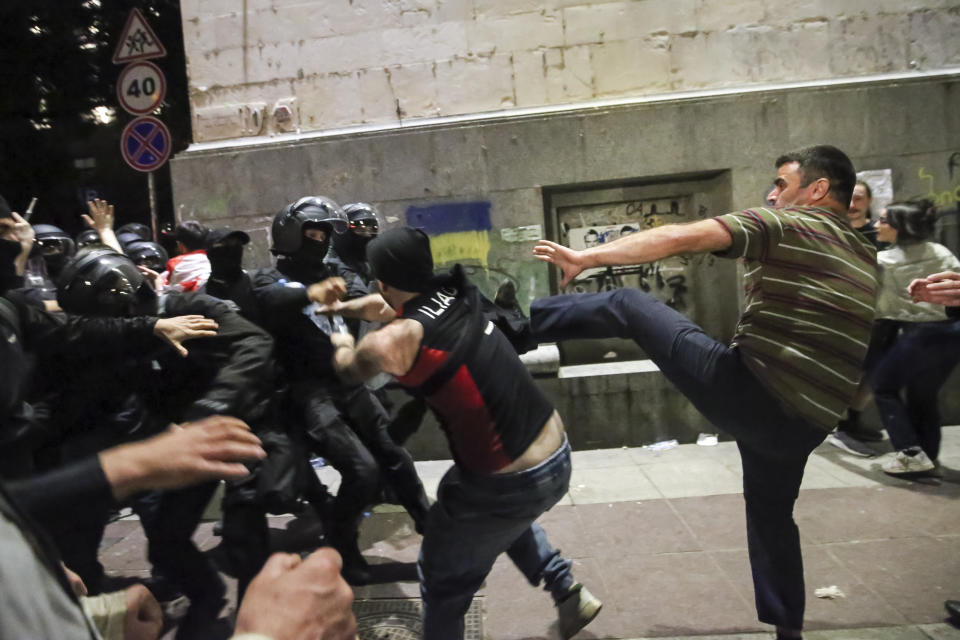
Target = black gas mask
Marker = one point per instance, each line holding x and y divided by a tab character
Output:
312	253
9	250
226	259
54	245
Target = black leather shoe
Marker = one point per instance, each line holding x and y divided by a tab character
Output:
355	569
953	609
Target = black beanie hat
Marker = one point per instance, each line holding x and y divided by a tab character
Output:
401	258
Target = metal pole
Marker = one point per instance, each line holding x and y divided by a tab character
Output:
152	189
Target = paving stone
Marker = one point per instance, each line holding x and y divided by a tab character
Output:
678	567
913	575
716	522
624	528
860	607
673	594
693	478
611	484
868	513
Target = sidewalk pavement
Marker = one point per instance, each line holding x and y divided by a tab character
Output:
660	537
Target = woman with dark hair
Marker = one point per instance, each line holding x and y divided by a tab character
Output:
925	341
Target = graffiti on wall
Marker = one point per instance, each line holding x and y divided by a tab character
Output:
666	278
943	197
459	231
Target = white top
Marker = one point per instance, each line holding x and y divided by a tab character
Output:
901	264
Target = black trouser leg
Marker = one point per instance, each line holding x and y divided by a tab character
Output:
372	422
770	489
170	546
79	546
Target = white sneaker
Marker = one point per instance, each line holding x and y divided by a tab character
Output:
902	462
850	444
577	611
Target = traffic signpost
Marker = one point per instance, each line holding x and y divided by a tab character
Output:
141	88
145	141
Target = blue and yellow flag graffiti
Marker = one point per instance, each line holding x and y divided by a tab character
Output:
459	231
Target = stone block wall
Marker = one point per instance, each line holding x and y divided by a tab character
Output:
911	127
261	67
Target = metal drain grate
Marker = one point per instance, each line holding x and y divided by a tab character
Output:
399	619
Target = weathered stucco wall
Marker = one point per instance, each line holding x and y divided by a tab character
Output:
506	166
258	67
509	168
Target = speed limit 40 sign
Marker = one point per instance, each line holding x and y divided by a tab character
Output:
141	87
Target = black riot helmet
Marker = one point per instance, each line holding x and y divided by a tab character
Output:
316	212
364	225
127	238
102	282
87	236
145	253
54	245
141	230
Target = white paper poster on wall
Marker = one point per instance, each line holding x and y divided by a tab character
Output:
881	185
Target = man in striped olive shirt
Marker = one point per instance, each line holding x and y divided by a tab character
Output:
792	367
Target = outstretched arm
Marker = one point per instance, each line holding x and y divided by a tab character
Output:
637	248
392	349
372	308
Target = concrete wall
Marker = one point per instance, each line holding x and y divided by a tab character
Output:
514	165
260	67
511	165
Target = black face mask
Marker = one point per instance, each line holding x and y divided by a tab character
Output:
9	250
352	247
226	261
55	264
312	253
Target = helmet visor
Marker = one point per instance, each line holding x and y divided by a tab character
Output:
365	227
52	246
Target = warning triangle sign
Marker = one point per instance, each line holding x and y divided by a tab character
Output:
138	41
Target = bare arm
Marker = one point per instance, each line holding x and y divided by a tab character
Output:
372	308
392	349
637	248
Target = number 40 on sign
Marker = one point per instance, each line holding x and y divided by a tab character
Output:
141	88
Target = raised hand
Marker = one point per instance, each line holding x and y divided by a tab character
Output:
569	260
101	215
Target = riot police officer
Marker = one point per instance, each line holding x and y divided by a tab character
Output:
344	423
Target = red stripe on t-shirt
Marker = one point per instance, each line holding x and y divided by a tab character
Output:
805	268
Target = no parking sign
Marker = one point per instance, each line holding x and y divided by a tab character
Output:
145	143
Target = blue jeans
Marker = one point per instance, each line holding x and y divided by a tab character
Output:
774	443
918	364
475	519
